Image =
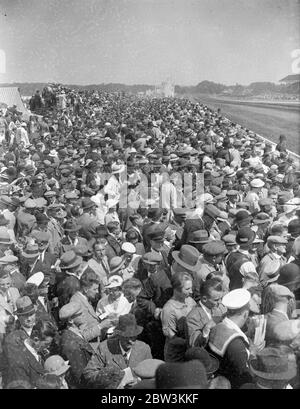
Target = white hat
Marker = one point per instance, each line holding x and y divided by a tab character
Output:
117	168
30	204
295	201
107	124
114	281
36	279
236	299
111	203
128	248
257	183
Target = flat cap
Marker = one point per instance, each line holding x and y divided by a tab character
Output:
69	310
152	258
236	299
229	239
277	240
147	368
213	248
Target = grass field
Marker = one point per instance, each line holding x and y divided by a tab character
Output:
268	121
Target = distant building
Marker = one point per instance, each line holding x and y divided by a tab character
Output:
290	79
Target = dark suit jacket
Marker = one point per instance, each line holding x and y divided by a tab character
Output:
43	266
22	365
156	292
114	247
78	352
108	359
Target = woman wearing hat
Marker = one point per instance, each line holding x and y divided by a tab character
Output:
113	304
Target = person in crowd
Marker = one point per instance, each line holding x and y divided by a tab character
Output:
102	207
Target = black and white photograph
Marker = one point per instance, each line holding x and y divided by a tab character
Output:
149	197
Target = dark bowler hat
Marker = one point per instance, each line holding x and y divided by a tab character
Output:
243	215
127	326
245	236
24	306
199	236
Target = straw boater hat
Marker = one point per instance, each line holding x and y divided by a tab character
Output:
116	263
70	260
31	251
4	236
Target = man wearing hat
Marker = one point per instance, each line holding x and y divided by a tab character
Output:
119	353
239	262
26	362
233	198
254	195
71	237
277	246
88	221
206	314
156	291
9	264
213	254
154	218
198	239
7	209
26	314
74	347
229	343
45	260
156	235
8	298
25	217
55	229
5	241
273	368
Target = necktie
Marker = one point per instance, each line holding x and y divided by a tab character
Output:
126	358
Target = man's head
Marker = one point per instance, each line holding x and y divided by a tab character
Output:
99	250
89	285
5	281
277	244
237	304
131	289
25	312
211	292
127	331
42	335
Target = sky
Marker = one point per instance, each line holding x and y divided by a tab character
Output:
148	41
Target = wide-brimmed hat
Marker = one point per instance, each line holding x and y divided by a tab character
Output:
115	168
187	257
70	260
24	306
56	365
199	237
116	263
127	326
114	281
31	251
273	364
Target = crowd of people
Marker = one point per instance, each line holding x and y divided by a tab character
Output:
145	243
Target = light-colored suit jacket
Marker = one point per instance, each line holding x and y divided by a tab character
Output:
7	308
89	326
